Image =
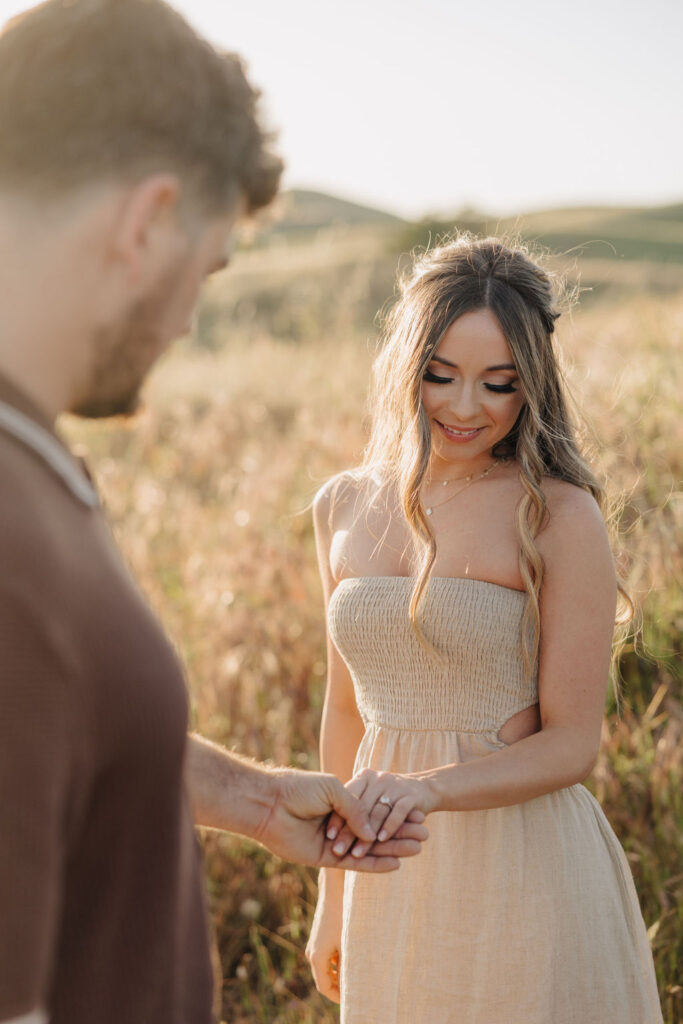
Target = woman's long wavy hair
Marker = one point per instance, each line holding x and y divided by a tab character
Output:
459	276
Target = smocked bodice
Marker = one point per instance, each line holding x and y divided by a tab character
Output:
476	684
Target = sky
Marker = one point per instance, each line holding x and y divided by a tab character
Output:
427	106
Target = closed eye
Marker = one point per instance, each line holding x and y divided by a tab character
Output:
500	389
433	379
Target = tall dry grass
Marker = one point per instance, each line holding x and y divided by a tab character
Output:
208	492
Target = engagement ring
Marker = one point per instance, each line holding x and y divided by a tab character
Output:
386	801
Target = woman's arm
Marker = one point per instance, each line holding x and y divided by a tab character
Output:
341	727
341	731
577	605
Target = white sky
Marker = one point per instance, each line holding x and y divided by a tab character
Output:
426	105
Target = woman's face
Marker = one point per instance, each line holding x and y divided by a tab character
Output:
470	392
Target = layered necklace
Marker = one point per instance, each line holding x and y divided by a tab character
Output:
467	480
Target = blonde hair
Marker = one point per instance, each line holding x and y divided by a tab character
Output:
459	276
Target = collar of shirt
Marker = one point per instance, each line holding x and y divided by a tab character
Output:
36	432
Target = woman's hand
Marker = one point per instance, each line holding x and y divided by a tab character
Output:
324	943
389	800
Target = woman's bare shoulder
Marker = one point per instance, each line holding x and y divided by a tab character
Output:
342	492
564	498
575	529
340	488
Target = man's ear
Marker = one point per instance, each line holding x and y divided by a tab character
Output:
148	230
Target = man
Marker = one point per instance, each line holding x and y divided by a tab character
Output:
128	150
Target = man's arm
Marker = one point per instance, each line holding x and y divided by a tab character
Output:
227	791
284	809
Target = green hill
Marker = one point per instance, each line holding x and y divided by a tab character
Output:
640	233
301	210
653	234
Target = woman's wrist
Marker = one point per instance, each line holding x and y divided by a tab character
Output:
331	883
438	786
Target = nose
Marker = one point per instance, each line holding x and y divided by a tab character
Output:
464	403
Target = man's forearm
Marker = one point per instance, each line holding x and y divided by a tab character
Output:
227	791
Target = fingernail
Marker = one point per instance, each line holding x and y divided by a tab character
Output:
331	833
382	836
357	851
338	848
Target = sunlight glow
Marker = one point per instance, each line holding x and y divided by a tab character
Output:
434	106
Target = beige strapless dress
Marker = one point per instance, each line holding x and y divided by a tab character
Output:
525	914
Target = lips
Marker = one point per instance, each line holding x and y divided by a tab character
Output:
459	435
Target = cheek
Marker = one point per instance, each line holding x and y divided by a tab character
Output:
429	400
518	404
513	409
181	308
505	405
188	292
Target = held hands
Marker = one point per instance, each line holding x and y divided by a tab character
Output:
297	821
390	801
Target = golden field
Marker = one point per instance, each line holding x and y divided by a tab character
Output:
209	492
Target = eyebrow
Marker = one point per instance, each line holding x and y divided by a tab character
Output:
500	366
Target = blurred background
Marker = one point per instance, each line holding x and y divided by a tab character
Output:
401	122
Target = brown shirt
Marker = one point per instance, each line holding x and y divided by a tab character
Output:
102	914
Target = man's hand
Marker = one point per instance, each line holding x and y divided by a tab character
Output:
296	825
288	810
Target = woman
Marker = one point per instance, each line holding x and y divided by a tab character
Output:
471	598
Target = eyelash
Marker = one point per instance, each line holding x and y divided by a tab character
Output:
499	389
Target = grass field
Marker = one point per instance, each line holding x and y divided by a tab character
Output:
209	491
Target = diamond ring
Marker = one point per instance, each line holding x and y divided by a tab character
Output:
386	801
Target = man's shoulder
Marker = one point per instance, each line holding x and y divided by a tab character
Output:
30	481
43	525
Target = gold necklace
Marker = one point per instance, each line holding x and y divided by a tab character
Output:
468	480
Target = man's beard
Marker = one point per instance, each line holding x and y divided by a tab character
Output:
123	355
